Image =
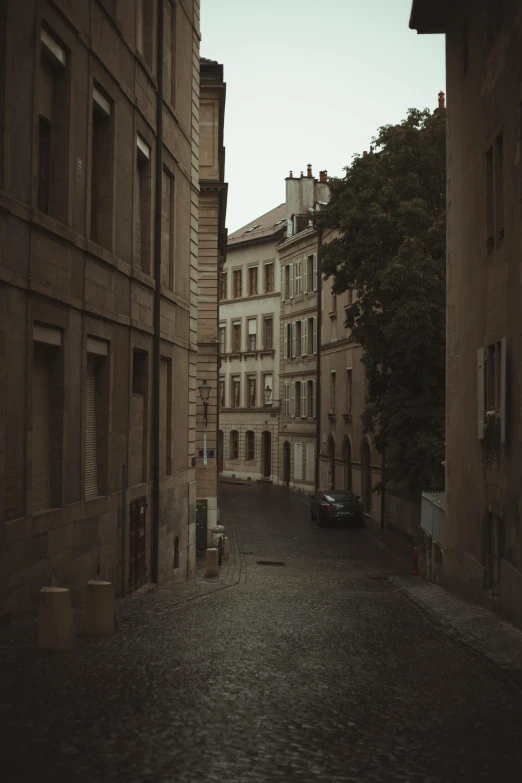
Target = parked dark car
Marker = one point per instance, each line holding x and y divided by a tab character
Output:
339	507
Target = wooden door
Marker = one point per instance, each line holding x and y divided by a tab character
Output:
267	456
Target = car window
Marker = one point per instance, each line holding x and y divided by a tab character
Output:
339	497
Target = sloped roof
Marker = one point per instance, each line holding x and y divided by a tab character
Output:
262	228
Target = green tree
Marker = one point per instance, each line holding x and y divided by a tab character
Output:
388	213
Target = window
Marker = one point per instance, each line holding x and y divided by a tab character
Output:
46	424
167	230
234	444
236	336
269	278
96	417
332	392
287	399
142	197
139	372
165	417
176	552
311	274
491	397
288	340
236	392
334	303
237	283
289	281
268	333
312	335
53	121
310	462
495	195
145	22
223	286
222	340
298	461
297	402
101	170
303	405
311	399
252	401
249	446
221	392
348	401
304	337
298	339
298	277
252	334
268	389
252	281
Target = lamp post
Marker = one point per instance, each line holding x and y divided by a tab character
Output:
204	393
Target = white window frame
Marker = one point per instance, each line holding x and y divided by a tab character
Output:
315	271
305	275
315	335
294	330
304	410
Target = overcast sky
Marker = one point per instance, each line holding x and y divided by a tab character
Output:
310	81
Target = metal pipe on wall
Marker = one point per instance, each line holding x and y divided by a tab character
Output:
319	339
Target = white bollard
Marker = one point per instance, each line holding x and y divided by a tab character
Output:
211	562
225	548
100	613
55	622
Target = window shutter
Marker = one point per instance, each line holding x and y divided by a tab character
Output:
303	338
315	335
41	444
137	228
283	291
480	393
294	329
291	268
286	340
503	390
91	451
305	275
287	399
310	462
313	400
298	461
303	400
292	399
315	272
46	90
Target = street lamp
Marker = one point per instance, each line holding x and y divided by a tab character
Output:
268	395
204	393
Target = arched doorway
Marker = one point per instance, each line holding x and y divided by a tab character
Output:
286	462
220	450
366	475
331	462
266	453
347	463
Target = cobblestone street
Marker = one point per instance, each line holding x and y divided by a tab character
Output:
321	668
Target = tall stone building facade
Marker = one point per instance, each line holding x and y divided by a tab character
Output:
212	253
249	315
483	530
98	284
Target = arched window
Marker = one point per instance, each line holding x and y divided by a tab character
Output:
176	553
249	446
234	444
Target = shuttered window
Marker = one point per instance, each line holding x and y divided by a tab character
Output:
41	430
45	103
298	461
91	422
310	462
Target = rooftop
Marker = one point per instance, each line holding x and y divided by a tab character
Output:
262	227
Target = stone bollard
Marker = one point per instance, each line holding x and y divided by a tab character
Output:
225	548
211	562
100	614
55	623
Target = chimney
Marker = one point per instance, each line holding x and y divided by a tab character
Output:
309	170
441	100
291	175
302	174
365	153
323	176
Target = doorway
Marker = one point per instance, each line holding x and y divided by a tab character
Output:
366	475
347	463
331	462
286	462
266	449
138	526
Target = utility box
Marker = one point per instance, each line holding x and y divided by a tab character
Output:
201	523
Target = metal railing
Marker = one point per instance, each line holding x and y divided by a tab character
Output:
433	510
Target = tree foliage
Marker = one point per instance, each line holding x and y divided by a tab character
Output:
389	213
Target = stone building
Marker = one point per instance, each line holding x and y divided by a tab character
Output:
212	252
298	332
249	313
483	530
98	285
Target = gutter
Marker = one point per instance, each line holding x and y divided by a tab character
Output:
154	556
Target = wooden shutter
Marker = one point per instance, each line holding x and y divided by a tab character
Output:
298	461
285	329
315	271
283	290
305	275
294	329
480	393
304	411
291	285
313	400
292	399
315	335
91	448
303	337
45	103
503	390
138	245
41	445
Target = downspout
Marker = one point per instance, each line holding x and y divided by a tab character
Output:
319	339
157	303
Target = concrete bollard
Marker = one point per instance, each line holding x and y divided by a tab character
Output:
225	548
55	622
211	562
100	613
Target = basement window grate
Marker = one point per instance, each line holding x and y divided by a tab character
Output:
270	562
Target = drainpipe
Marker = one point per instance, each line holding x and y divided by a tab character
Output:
157	303
383	489
319	338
